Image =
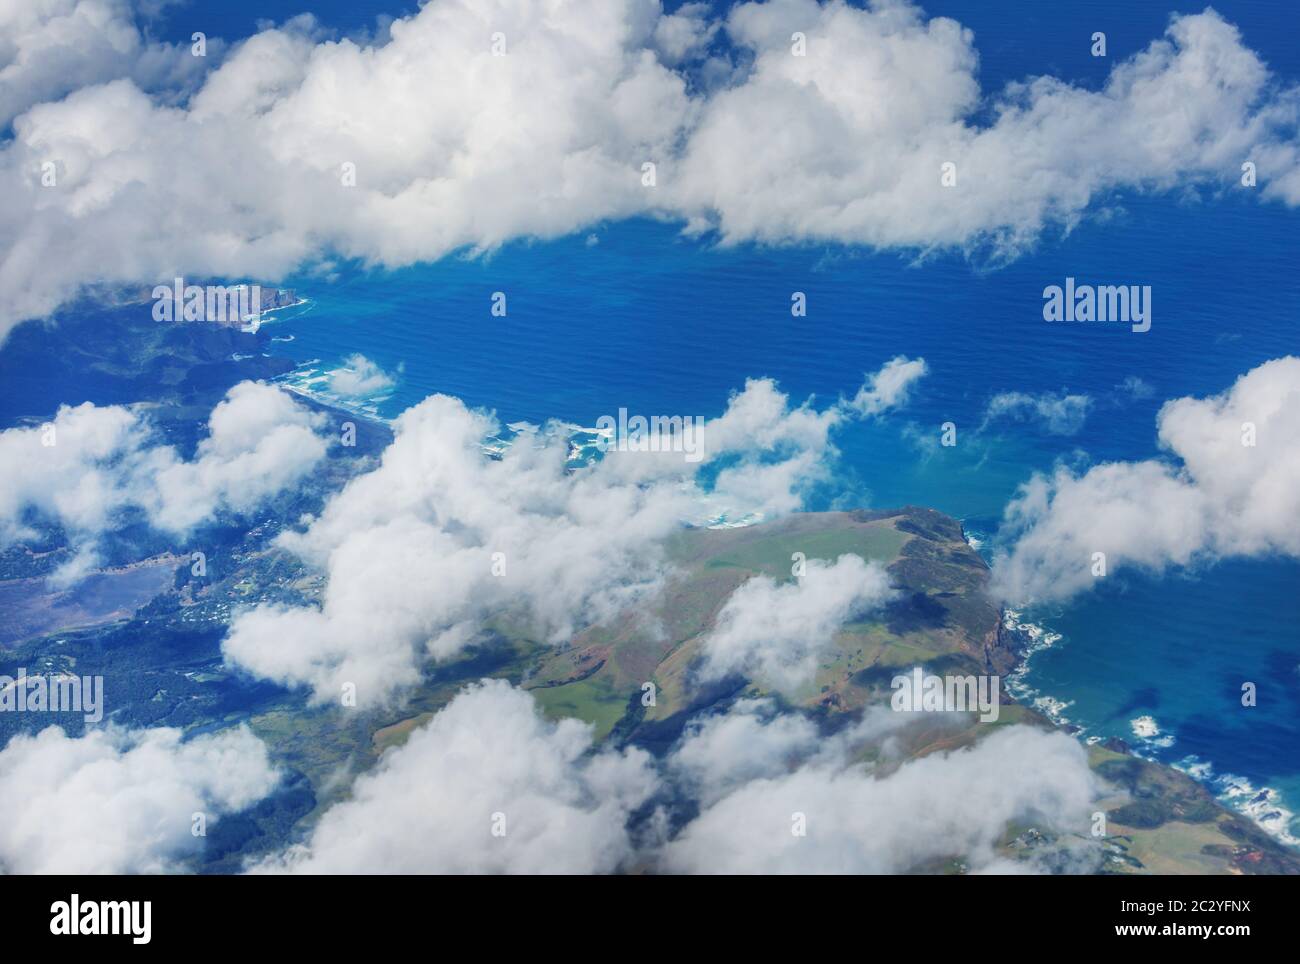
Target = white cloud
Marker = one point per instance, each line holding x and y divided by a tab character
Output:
719	753
683	33
260	442
890	387
1059	414
409	547
752	741
75	481
119	801
943	805
883	99
777	632
471	150
1215	497
104	460
430	805
359	377
49	48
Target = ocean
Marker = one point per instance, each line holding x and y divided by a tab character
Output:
633	315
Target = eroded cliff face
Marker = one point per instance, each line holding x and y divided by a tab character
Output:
1002	649
941	571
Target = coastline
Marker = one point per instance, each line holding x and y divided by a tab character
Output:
1265	807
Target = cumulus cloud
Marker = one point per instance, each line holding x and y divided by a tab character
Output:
74	480
719	753
1230	487
118	801
49	48
440	535
685	32
487	761
1059	414
752	741
359	377
89	464
1191	107
890	387
950	805
776	633
472	150
260	442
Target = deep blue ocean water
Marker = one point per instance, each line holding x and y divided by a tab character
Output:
647	320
